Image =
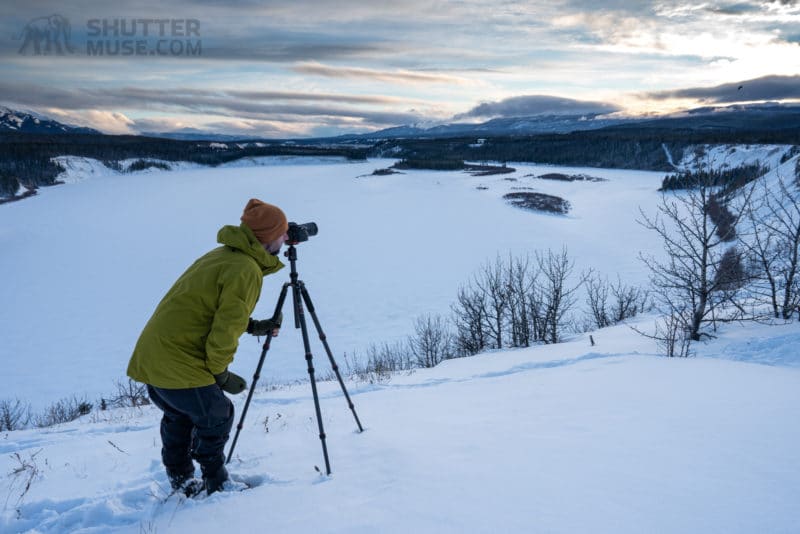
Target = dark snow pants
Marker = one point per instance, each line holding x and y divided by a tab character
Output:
196	425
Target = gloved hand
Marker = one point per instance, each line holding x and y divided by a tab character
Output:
266	327
230	382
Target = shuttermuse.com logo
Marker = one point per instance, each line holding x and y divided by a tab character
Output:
50	35
143	37
46	35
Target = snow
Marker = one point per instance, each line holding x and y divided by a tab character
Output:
561	438
732	156
80	168
91	262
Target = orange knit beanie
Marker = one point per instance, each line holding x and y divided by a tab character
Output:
266	221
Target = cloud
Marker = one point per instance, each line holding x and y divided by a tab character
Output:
245	128
246	50
278	106
739	8
521	106
765	88
398	76
105	121
331	97
239	111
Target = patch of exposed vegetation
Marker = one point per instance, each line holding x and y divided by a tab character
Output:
143	164
538	202
488	170
432	164
385	172
567	177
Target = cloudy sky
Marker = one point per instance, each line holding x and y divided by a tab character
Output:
315	67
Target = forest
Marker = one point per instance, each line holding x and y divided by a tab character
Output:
26	159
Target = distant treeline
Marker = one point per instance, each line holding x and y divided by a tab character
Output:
25	159
615	147
569	149
728	179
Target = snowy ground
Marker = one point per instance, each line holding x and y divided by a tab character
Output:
554	439
558	439
91	259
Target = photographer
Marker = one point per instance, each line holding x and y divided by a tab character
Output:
184	351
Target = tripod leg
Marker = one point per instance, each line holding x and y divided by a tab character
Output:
324	339
301	318
257	374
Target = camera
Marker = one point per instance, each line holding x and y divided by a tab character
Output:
300	232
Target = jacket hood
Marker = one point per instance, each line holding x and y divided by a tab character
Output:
242	238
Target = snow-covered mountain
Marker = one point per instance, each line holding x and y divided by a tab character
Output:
768	117
502	126
25	122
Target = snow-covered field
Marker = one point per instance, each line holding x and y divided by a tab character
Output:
560	438
91	259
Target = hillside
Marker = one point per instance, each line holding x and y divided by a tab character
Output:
557	439
607	437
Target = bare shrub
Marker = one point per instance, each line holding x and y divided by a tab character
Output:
611	303
22	477
382	362
130	394
63	411
673	335
730	274
721	215
14	415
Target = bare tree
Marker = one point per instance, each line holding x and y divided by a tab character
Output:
521	278
774	246
516	303
491	283
554	296
597	294
432	342
470	316
687	286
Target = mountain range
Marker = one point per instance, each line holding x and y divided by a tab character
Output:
765	117
26	122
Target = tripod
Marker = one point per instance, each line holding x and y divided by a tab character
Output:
299	297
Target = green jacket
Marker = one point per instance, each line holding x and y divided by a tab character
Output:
195	329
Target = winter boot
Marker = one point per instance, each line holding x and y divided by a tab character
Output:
215	481
178	479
